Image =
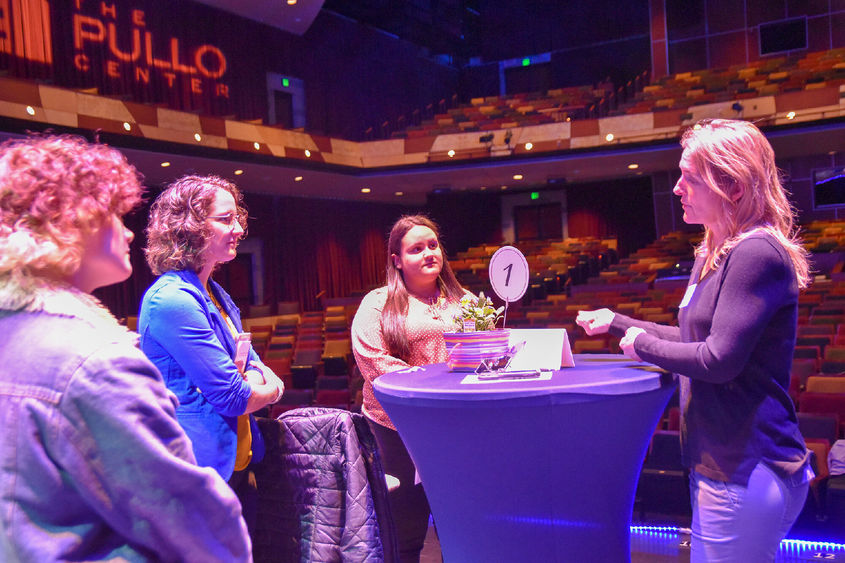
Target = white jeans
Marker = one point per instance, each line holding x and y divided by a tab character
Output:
732	523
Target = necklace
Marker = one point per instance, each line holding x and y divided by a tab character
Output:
435	306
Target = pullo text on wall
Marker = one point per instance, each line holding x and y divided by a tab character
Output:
139	53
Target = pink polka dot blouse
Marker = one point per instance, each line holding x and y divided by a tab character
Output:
425	325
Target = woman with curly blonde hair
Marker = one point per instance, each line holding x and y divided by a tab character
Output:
191	329
96	465
749	466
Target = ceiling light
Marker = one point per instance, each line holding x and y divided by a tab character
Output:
790	115
197	137
608	137
291	2
238	172
365	190
399	193
451	153
529	146
482	188
30	110
517	176
504	187
127	126
298	179
165	164
257	145
633	166
307	153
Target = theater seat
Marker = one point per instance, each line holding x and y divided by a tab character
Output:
823	403
664	482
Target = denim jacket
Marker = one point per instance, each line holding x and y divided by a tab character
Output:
93	464
184	335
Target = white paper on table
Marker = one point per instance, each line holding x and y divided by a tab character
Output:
473	379
545	348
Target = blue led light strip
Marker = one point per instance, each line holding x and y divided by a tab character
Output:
789	544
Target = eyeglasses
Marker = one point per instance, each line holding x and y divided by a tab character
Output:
229	219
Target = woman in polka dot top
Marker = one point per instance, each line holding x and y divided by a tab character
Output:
398	326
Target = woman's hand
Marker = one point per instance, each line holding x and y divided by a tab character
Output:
266	392
254	377
595	322
273	379
627	342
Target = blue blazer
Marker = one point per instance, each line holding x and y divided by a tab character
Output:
186	337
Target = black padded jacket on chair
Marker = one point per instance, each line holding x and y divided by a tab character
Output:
322	493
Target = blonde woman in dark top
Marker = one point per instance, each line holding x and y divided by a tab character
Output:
749	470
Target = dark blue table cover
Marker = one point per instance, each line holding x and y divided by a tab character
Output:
530	470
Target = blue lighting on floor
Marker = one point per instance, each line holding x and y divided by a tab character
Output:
785	545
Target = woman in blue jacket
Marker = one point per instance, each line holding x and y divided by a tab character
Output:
190	328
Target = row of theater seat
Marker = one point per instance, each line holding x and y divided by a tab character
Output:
312	353
764	77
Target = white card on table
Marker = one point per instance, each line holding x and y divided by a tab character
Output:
545	348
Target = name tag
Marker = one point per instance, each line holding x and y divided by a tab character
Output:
688	295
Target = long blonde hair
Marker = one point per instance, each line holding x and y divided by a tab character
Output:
737	162
396	307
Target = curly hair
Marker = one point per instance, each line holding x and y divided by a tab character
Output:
737	162
177	232
54	191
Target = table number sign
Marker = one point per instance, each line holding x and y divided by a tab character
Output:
509	275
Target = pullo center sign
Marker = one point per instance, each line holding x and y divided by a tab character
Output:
134	51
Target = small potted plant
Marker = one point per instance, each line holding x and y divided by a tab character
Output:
475	337
477	314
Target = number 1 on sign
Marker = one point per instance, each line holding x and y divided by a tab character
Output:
508	273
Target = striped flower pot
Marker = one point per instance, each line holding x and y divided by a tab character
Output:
468	349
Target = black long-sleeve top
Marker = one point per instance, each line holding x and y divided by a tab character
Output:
733	349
